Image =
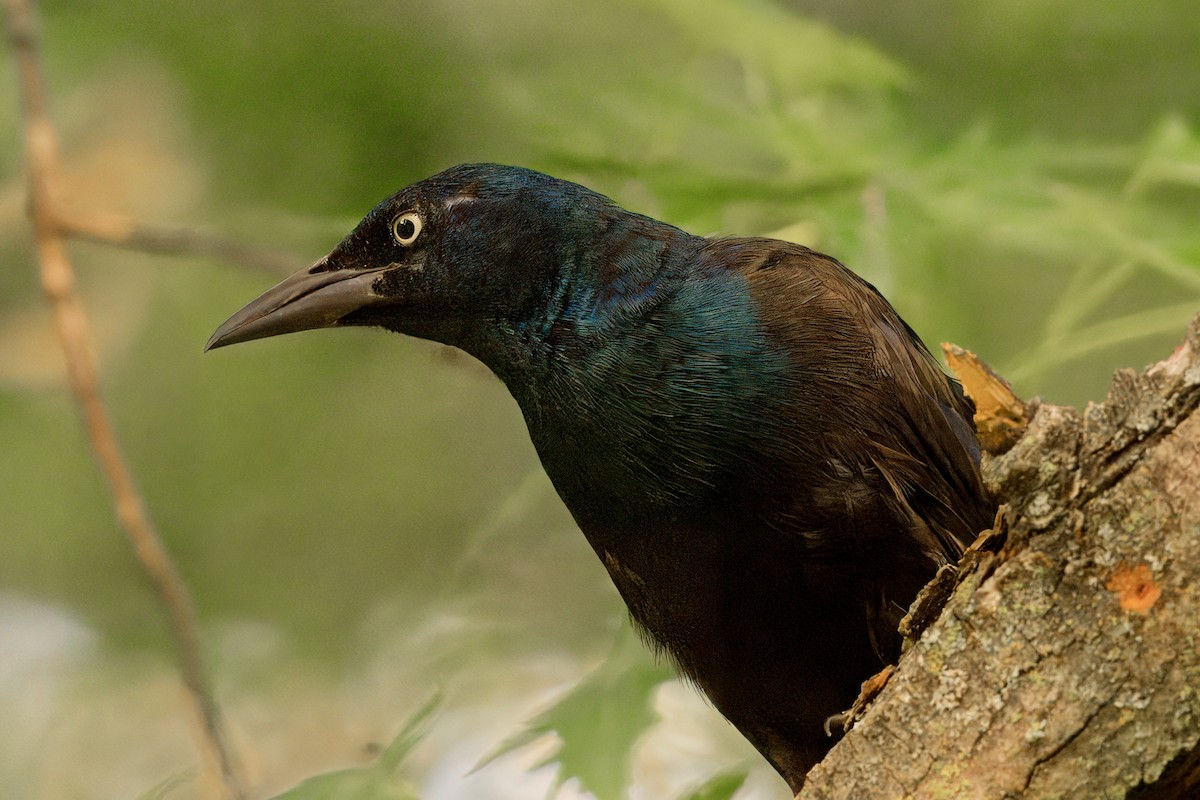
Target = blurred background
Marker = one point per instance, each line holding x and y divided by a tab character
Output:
361	516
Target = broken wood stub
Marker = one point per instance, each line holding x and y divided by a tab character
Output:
1000	416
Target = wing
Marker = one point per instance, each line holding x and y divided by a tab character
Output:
897	486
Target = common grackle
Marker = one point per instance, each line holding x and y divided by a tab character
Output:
764	456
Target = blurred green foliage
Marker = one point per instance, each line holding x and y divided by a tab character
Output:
599	721
720	787
1020	178
376	781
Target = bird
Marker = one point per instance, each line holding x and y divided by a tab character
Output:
764	456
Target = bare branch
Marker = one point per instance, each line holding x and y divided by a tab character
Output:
119	231
70	318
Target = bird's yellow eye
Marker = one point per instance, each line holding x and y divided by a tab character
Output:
406	228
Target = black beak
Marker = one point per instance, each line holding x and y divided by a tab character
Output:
315	297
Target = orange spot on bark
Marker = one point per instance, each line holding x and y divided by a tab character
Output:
1135	587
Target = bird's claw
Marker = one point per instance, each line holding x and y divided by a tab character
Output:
869	690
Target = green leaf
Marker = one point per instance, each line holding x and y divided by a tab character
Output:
412	732
363	783
598	722
377	781
169	785
719	787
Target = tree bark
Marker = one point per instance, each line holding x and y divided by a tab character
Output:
1067	665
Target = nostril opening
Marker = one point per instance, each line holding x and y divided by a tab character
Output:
321	266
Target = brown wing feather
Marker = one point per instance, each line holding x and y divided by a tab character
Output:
893	432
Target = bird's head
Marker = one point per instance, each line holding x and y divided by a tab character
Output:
473	250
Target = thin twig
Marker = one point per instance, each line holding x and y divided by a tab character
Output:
58	281
118	231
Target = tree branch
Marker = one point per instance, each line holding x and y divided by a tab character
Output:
118	231
1067	664
71	323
